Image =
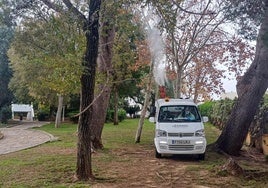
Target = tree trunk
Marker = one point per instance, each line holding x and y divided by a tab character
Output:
250	89
179	82
116	98
59	111
175	88
146	104
84	167
104	87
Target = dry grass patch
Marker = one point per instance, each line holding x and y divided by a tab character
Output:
122	163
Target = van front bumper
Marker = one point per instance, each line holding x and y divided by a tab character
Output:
196	145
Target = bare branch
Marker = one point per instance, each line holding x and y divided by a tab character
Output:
74	10
191	12
52	6
69	5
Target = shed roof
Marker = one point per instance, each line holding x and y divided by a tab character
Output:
21	108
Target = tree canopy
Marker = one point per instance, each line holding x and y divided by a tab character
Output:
6	35
250	88
196	37
54	46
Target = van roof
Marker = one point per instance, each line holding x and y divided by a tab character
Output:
163	102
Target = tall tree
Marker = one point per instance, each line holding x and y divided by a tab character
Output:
204	75
194	30
253	84
91	28
125	77
150	54
144	58
87	13
123	59
105	70
6	35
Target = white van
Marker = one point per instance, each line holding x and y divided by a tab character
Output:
179	128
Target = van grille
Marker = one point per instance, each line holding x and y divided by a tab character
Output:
181	147
180	134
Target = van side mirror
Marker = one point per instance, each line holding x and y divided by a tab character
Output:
205	119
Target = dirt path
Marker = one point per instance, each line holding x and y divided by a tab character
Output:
137	167
20	136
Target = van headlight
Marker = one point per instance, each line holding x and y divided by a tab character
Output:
161	133
200	132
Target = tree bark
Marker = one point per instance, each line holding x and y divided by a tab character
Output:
250	89
59	111
105	69
116	99
179	81
84	167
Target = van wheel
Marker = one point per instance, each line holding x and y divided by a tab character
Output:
201	156
157	155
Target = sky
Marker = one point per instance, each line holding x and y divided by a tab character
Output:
229	85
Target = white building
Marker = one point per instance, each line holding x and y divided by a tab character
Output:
229	95
20	108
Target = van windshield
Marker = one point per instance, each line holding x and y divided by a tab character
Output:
178	113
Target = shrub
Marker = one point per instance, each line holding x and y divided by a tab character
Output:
217	111
42	115
71	115
5	114
221	111
109	116
122	114
206	108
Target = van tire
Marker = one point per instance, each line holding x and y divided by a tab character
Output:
201	156
157	155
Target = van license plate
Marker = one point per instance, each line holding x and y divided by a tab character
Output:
180	141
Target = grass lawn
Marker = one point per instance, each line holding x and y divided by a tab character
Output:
53	164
